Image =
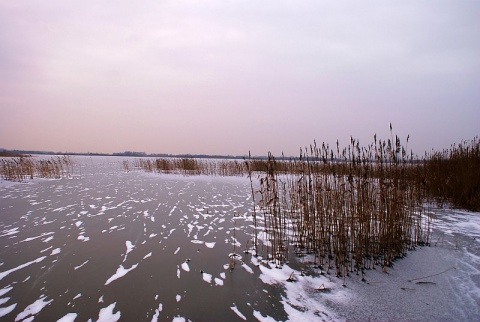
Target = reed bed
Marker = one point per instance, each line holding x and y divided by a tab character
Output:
188	166
26	168
453	175
352	209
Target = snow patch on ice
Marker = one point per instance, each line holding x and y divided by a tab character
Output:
237	312
106	314
157	313
210	245
121	271
5	273
185	267
7	310
69	317
207	277
33	308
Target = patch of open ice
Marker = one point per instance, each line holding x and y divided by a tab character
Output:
178	319
55	251
222	275
33	308
148	255
77	296
78	223
175	253
106	314
121	271
178	297
7	310
196	241
38	260
237	312
218	281
69	317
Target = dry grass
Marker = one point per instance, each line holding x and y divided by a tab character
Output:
26	168
352	208
454	175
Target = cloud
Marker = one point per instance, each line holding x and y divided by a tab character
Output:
280	73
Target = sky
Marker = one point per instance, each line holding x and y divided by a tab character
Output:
229	76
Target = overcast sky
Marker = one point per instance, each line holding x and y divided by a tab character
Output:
226	77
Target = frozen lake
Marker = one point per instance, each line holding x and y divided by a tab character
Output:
108	245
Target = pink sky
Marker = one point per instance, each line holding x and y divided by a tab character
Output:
226	77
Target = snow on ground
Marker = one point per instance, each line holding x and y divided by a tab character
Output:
121	272
33	308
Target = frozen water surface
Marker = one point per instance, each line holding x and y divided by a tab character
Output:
106	245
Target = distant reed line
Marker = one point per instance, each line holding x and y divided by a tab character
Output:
26	168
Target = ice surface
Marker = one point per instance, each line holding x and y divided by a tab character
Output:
178	297
237	312
121	271
106	314
218	281
33	308
175	253
55	251
38	260
69	317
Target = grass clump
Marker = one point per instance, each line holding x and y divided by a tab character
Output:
26	168
453	175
